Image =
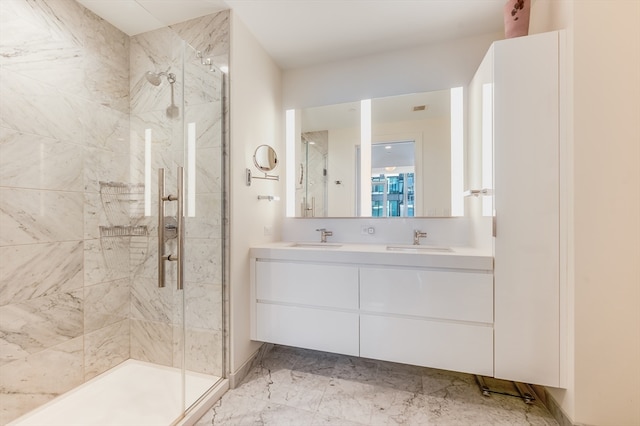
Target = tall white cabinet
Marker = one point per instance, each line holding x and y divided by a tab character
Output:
523	76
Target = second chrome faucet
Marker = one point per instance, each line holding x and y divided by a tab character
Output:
417	234
324	234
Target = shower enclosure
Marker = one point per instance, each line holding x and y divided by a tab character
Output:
312	185
113	204
177	126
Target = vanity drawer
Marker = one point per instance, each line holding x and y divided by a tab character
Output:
461	296
317	329
326	285
466	348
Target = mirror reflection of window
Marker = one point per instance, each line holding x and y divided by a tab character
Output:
393	179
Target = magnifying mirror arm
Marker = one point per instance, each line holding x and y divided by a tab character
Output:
249	177
268	177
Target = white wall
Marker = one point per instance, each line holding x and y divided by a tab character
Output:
604	220
607	227
256	118
421	69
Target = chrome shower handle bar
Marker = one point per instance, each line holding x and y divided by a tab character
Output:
161	228
161	256
180	200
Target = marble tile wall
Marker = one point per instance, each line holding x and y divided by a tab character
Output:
74	104
64	126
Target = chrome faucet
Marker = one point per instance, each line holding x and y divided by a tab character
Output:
324	234
417	235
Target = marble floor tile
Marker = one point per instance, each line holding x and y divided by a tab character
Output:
233	409
349	400
361	370
287	387
291	386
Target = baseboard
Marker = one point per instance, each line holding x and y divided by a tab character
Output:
236	377
556	411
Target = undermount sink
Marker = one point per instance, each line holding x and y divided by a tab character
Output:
420	249
317	245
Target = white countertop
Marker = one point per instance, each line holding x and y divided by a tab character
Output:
376	254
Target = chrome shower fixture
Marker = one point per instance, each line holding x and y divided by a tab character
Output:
156	78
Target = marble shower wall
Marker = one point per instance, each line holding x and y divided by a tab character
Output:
64	126
74	301
157	316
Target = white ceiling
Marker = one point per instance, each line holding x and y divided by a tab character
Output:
298	33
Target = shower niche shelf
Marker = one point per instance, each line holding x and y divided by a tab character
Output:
122	201
124	245
123	231
123	242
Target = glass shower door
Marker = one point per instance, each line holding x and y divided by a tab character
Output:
202	348
177	288
157	160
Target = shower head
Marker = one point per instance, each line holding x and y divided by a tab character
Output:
155	78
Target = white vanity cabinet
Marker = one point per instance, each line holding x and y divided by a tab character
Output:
365	304
432	318
307	305
524	77
447	295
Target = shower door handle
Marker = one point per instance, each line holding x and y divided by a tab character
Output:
180	200
161	256
179	257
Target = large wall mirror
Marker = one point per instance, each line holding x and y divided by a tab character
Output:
398	156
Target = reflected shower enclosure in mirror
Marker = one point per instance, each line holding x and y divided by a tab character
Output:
415	157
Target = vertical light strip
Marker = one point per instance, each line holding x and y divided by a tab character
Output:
191	169
487	147
290	155
457	152
365	158
147	172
